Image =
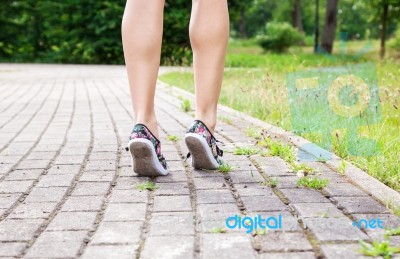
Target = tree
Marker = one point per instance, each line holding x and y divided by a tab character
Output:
296	16
328	34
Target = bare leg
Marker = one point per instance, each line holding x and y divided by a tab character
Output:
209	33
141	36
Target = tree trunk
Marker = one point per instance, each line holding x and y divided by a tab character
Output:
328	35
297	23
242	24
383	29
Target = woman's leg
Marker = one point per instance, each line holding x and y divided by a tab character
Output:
142	36
209	33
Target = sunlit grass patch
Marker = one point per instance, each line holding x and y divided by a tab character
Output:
312	182
246	151
150	186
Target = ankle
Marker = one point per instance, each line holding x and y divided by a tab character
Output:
208	120
151	124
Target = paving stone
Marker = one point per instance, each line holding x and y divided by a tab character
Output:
357	205
263	203
100	165
303	195
12	249
7	200
125	212
344	189
91	188
296	255
388	221
172	203
214	196
64	169
109	251
322	210
227	246
34	164
334	251
205	173
41	155
334	229
15	186
252	189
18	229
97	176
246	177
217	211
117	233
206	183
69	160
273	166
26	174
48	194
83	203
172	189
33	210
167	247
57	244
64	180
285	182
124	183
278	241
73	221
128	196
172	224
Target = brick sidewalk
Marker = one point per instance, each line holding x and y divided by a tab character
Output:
67	189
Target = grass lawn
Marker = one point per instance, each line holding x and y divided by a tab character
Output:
255	83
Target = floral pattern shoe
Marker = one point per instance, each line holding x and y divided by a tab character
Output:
203	147
146	154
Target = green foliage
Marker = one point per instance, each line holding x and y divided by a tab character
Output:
377	248
279	37
395	42
393	232
342	167
74	31
246	151
277	148
253	133
218	230
312	182
303	168
173	138
150	186
185	105
271	182
225	168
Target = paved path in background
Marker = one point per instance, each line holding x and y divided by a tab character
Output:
67	189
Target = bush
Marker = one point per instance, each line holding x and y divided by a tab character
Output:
279	37
395	42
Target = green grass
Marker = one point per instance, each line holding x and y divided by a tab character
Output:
217	230
278	148
342	167
150	186
255	84
246	151
378	248
303	168
225	168
312	182
173	138
253	133
393	232
226	119
271	182
186	105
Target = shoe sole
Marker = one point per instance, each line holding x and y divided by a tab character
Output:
202	157
144	158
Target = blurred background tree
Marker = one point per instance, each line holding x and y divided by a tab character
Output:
88	31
